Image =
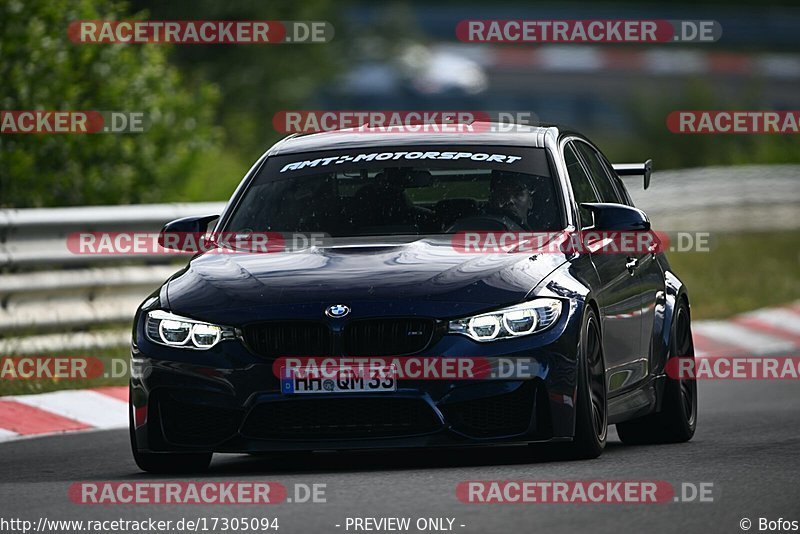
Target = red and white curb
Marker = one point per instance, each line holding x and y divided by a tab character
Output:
23	416
758	333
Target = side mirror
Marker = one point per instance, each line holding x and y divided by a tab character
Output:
185	225
617	217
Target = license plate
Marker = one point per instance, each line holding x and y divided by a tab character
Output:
344	380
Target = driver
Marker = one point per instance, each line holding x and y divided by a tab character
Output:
510	198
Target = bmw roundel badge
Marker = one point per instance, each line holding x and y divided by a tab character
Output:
337	310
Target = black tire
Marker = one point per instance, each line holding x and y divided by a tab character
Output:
167	462
677	420
591	408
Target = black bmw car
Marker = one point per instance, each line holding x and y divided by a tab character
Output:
211	348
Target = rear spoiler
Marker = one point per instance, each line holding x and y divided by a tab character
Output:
636	169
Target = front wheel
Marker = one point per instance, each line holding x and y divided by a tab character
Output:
167	462
677	420
591	407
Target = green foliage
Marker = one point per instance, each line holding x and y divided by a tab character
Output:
42	69
257	80
216	177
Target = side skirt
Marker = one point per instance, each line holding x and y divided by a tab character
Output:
637	402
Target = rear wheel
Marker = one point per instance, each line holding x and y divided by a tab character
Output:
167	462
677	420
591	408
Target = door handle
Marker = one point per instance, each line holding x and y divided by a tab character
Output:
631	265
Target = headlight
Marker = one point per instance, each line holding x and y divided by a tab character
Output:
518	320
175	331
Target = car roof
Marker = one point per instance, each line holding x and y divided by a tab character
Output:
484	133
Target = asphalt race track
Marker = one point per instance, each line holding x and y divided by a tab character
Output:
747	445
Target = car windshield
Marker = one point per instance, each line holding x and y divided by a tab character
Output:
380	192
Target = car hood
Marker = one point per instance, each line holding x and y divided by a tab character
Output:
426	276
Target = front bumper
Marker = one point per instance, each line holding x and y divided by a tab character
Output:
228	399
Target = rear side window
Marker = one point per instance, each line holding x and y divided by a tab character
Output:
581	185
626	198
600	177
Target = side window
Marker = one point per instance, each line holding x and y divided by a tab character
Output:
599	176
581	186
626	198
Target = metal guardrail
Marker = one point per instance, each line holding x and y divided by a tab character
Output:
38	237
52	299
49	295
722	199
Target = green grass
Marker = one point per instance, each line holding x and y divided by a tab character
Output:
741	272
25	387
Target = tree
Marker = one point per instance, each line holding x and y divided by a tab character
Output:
41	68
258	80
